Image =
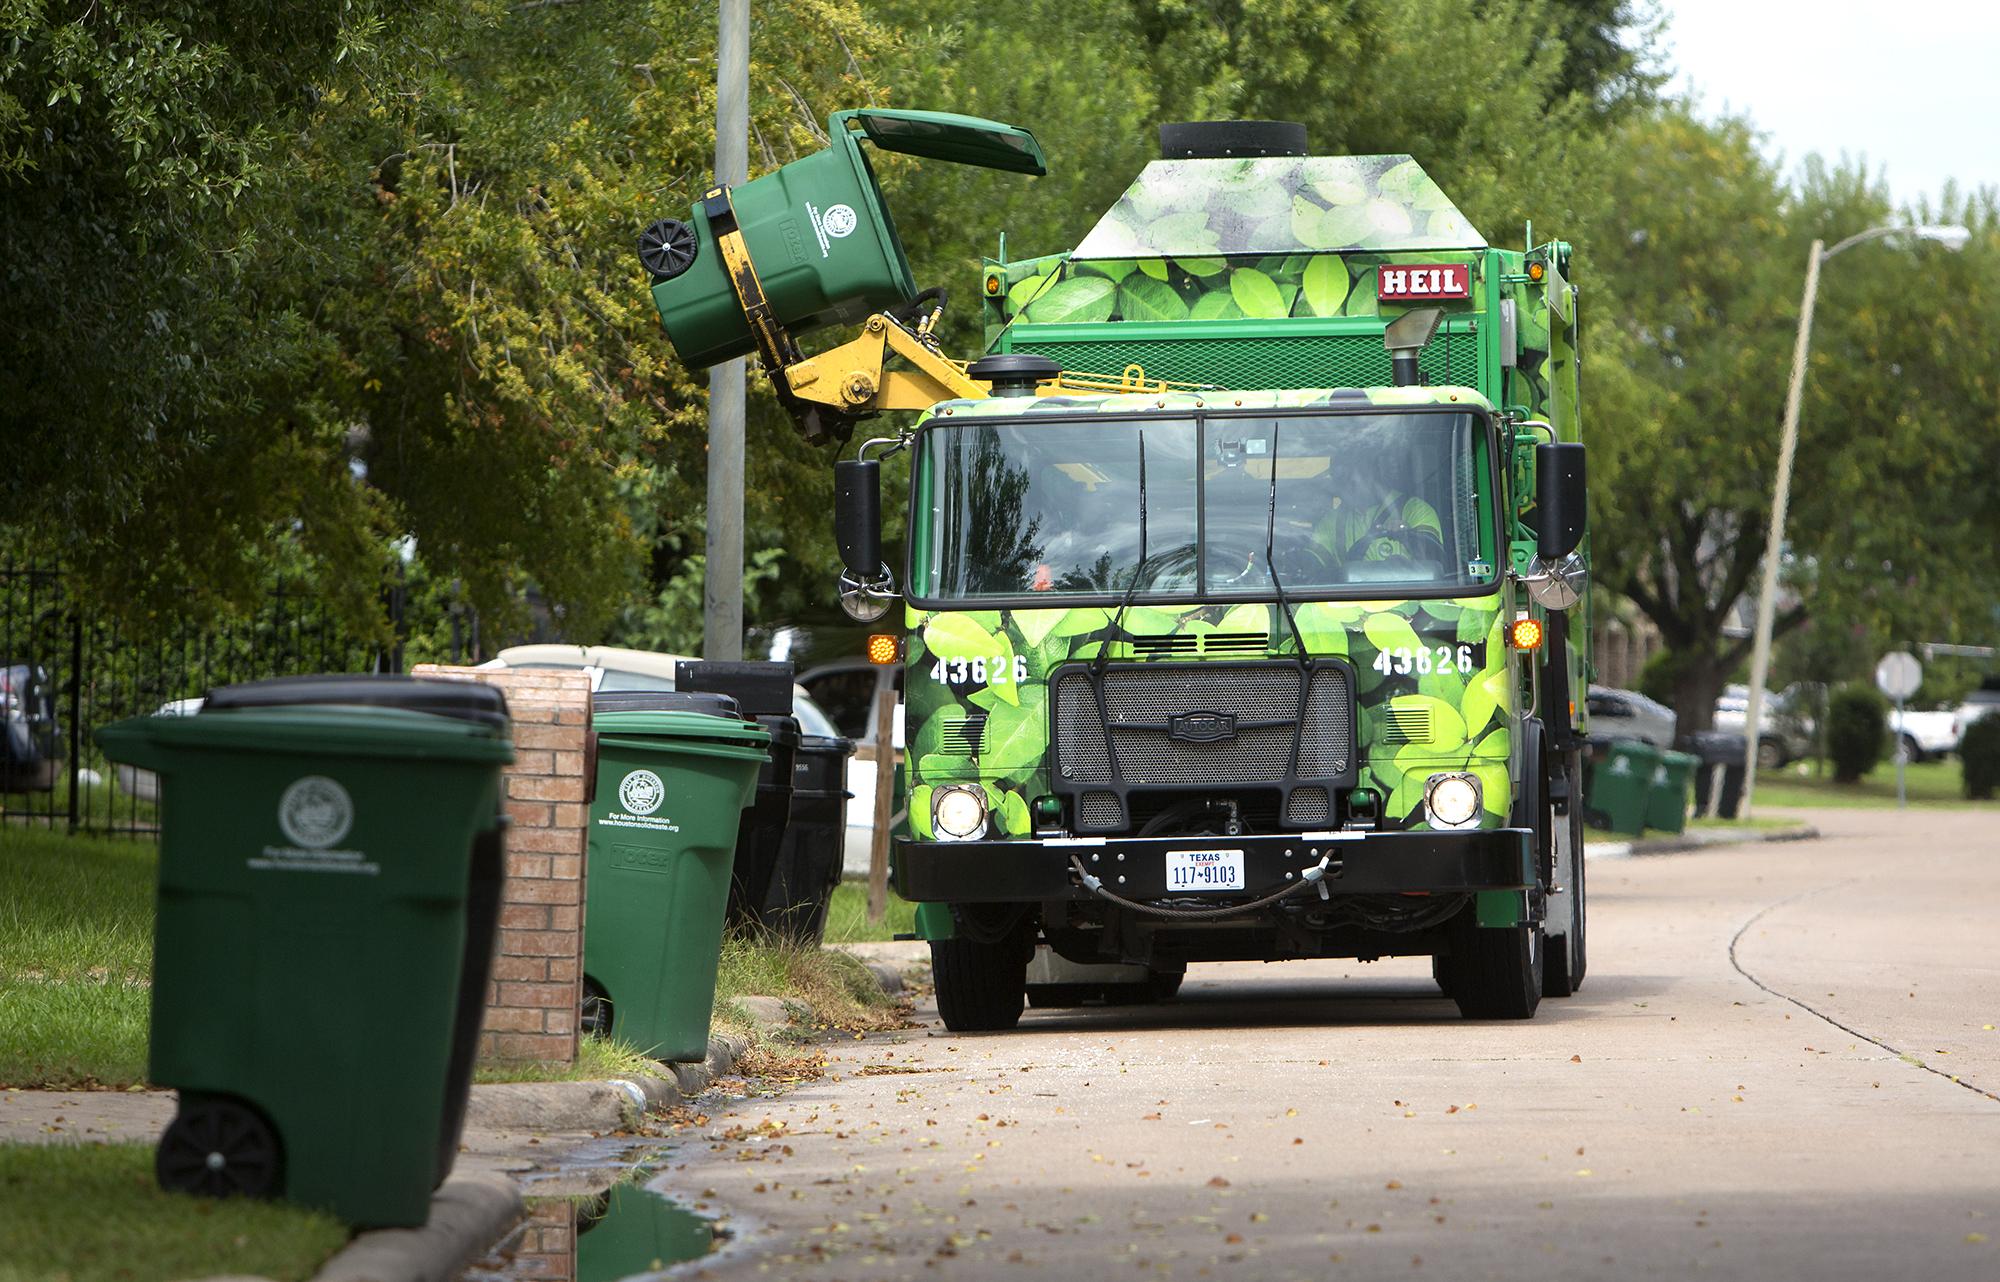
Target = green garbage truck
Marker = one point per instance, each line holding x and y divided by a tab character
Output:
1236	592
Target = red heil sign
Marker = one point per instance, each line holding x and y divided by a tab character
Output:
1398	284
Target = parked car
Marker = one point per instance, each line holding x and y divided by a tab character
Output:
615	668
1782	737
1627	714
1981	702
31	743
1924	736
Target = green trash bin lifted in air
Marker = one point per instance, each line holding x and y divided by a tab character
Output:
821	239
674	772
329	877
1621	786
1667	799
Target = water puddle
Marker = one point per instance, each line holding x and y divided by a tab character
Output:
625	1232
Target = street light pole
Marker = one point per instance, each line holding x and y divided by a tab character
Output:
1952	237
1767	595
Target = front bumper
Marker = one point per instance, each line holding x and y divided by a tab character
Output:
1363	863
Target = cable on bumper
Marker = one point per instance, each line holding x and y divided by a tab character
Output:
1312	877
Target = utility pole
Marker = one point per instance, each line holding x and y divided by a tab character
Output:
1952	237
722	590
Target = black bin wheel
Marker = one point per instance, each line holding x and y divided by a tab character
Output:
218	1147
594	1019
667	248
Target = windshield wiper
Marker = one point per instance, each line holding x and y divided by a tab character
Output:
1270	537
1132	588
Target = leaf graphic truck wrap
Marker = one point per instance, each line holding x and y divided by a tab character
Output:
1440	665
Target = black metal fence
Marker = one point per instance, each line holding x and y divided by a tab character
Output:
64	673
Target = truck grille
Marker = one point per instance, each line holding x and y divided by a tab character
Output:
1216	725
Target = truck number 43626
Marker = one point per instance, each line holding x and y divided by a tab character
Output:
1423	660
981	670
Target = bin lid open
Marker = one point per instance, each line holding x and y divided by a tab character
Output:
945	135
463	700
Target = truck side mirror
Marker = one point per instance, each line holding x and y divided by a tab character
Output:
1560	498
867	588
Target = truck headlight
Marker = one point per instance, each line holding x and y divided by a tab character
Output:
1452	800
958	812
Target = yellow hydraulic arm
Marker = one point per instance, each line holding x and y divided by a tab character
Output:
827	393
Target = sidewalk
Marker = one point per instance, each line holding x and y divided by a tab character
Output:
1607	847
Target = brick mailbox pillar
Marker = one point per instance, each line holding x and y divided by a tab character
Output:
531	1005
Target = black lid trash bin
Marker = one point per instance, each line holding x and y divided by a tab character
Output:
329	885
809	859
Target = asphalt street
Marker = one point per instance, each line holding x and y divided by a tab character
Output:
1783	1064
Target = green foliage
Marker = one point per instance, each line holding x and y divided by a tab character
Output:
1979	757
1857	727
1659	675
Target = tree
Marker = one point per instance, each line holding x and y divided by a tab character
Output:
1695	275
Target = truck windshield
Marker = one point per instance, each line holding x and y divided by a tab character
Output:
1350	504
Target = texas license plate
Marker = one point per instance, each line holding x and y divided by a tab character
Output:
1204	870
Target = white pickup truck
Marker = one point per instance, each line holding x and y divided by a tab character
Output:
1924	736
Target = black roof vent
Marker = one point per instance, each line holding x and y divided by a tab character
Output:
1224	139
1012	373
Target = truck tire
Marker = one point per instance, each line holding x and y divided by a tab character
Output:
1563	967
980	986
1495	972
1441	972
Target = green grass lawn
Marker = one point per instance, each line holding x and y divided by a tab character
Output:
1931	783
76	947
847	919
92	1213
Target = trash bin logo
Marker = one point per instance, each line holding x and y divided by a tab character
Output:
641	792
840	221
315	812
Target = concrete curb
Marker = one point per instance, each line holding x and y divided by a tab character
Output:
1698	839
470	1213
618	1104
467	1214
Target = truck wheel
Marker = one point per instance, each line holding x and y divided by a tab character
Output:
1496	971
1441	972
980	986
1562	969
1770	754
1909	751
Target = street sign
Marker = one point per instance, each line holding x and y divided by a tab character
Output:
1898	675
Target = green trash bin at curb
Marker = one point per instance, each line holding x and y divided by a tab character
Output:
1667	800
1621	786
329	877
674	772
823	244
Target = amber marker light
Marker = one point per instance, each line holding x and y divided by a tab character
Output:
1536	271
885	647
1525	634
993	284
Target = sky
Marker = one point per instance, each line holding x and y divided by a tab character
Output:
1913	87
